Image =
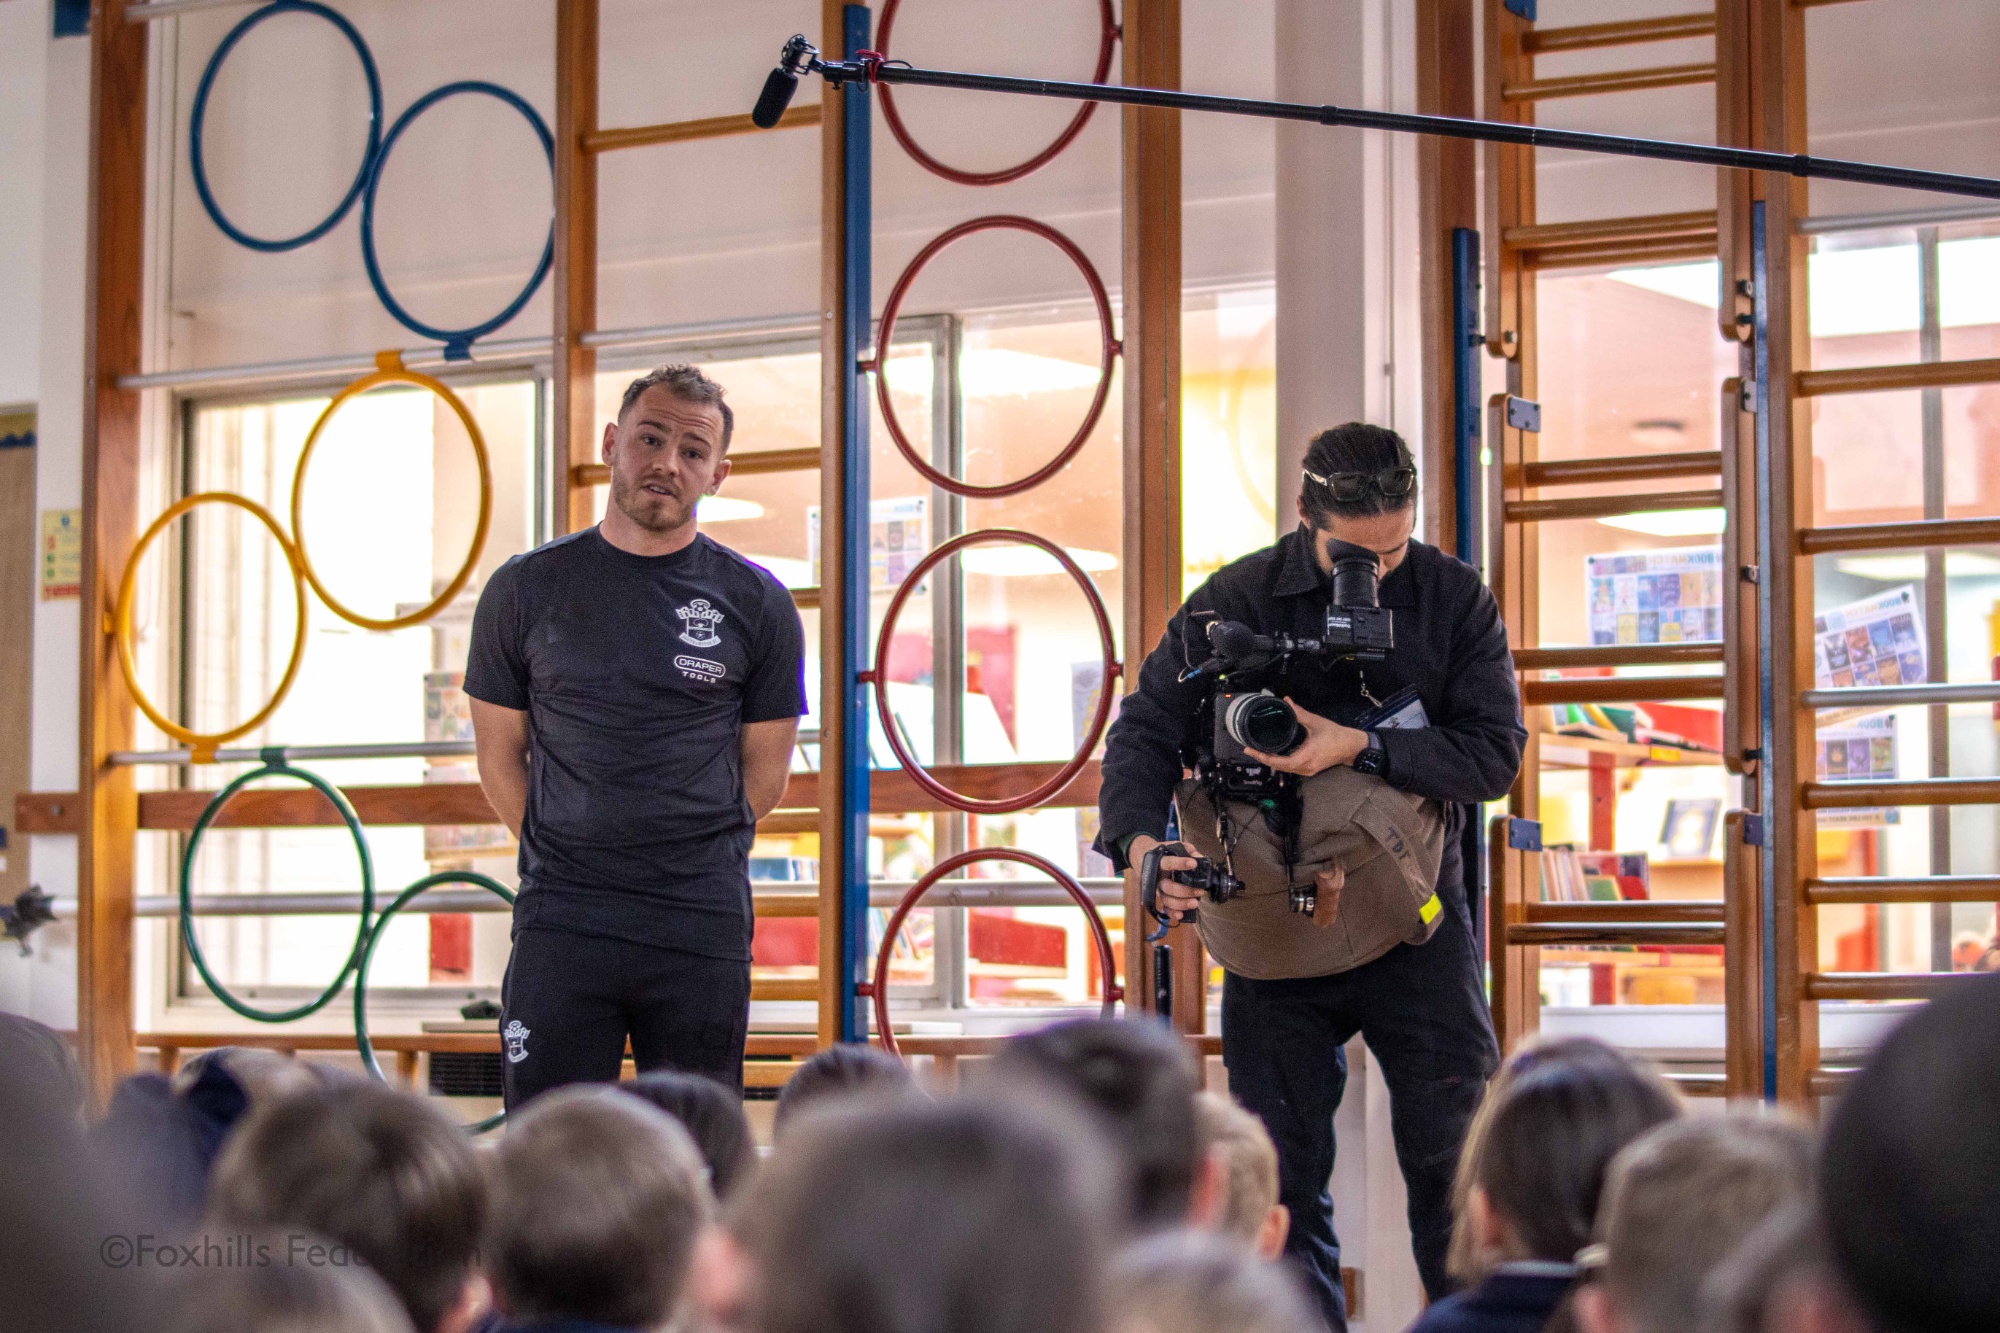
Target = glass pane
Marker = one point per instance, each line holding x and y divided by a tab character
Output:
1631	363
399	462
1631	795
1229	431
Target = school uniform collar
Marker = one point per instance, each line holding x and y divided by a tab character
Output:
1299	572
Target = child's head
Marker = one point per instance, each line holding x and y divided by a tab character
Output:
837	1073
1677	1203
712	1116
1535	1165
281	1289
1910	1184
1238	1148
1135	1079
381	1171
1197	1282
598	1199
916	1216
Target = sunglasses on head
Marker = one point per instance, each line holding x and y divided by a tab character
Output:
1347	487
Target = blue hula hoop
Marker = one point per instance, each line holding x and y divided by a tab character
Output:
200	116
457	342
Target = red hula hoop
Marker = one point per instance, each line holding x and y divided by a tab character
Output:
1107	39
1003	805
879	991
886	335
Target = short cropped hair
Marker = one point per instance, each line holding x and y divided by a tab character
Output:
377	1169
598	1199
1199	1282
277	1291
1784	1261
1250	1162
1354	447
1134	1077
918	1216
1908	1184
835	1074
686	383
713	1117
1682	1198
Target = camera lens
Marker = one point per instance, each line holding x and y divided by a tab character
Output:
1264	722
1355	580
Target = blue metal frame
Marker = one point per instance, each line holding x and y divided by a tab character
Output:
1465	384
1767	887
854	316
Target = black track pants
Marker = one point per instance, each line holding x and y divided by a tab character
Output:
569	1002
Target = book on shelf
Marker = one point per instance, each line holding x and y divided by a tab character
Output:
1629	873
1572	876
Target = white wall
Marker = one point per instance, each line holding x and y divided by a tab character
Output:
24	26
43	127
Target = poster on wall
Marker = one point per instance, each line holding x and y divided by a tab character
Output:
1876	641
898	537
1861	750
1672	596
61	554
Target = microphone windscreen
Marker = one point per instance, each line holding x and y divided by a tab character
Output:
779	86
1232	640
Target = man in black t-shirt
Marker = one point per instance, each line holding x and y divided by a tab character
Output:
636	690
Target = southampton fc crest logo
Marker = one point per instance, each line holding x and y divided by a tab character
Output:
516	1036
700	619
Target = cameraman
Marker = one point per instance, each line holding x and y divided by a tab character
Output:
1422	1009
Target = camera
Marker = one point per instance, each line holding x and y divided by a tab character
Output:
1356	623
1259	721
1210	878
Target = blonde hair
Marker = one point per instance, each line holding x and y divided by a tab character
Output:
1249	1157
1199	1282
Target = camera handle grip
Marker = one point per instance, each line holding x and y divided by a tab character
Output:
1149	888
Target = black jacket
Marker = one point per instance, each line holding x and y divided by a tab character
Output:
1450	644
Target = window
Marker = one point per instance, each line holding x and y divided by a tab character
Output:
390	503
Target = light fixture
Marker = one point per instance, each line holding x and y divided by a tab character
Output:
726	509
994	372
1909	568
1669	522
1011	562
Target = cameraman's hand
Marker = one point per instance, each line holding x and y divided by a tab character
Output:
1326	745
1176	899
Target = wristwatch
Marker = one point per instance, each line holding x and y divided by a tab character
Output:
1373	760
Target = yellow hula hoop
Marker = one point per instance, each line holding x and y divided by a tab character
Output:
204	744
389	369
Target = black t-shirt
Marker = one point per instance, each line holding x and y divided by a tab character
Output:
637	673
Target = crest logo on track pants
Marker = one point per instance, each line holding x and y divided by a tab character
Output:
515	1034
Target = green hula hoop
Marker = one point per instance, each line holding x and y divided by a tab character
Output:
367	958
274	767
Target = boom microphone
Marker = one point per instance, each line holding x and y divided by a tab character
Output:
782	82
779	86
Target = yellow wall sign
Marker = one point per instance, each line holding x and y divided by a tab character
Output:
61	554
